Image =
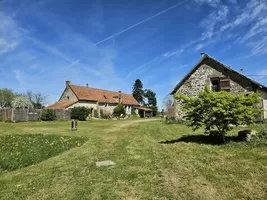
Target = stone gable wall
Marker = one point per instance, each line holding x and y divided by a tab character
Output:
197	81
68	93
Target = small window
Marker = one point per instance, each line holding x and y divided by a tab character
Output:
68	97
222	83
215	85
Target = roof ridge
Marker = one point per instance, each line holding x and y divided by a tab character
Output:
98	89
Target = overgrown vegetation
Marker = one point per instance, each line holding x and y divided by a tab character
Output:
96	113
219	110
48	115
173	120
19	151
119	110
80	113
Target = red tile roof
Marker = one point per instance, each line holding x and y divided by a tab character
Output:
61	105
102	96
145	109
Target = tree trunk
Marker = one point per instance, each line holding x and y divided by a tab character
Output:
222	137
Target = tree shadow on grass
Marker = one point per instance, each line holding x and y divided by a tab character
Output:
202	139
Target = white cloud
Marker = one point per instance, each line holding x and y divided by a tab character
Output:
232	1
173	53
213	3
10	34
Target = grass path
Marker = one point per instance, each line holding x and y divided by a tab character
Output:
145	168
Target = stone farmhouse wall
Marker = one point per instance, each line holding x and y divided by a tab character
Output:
107	108
202	76
68	95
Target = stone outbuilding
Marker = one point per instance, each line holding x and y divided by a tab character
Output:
218	76
96	99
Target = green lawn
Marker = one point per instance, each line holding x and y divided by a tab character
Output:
152	162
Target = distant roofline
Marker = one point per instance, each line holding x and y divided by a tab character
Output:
99	89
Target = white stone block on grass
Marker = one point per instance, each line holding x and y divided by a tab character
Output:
104	163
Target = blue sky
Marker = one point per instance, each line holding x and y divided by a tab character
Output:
110	43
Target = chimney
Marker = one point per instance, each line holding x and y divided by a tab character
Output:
119	96
202	54
86	84
241	71
67	83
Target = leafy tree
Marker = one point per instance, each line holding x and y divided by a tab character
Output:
151	101
6	97
21	102
80	113
138	92
217	111
48	115
37	99
119	110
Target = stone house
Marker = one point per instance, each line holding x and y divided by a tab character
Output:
218	77
95	99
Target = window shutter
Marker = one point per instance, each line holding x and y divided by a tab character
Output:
225	84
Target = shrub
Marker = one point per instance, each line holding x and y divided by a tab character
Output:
133	112
173	120
48	115
260	138
80	113
119	110
219	110
96	113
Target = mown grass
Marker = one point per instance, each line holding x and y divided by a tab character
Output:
19	151
146	167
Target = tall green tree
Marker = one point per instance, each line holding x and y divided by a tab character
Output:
6	97
151	100
218	111
138	92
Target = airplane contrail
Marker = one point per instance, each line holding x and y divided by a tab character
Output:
137	24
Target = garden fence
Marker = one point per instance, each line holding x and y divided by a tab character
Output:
20	115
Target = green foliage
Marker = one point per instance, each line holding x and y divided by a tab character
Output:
138	92
151	101
260	138
6	97
96	113
219	110
172	120
80	113
119	110
48	115
133	112
19	151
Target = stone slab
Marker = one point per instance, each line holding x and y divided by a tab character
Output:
104	163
